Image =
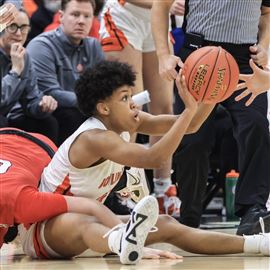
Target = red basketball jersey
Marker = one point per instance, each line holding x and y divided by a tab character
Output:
21	164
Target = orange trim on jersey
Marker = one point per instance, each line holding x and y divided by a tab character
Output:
117	40
39	249
64	187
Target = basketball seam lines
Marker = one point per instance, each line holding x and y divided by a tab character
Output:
195	66
221	99
218	54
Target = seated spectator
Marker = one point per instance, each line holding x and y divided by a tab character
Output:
21	101
92	33
60	56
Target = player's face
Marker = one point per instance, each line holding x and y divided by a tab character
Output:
123	113
76	20
16	32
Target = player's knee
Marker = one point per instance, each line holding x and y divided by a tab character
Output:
85	222
164	223
166	219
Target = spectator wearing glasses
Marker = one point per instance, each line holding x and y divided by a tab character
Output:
23	105
8	12
13	28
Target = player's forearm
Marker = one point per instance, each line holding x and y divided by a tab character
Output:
141	3
199	118
159	153
160	26
165	122
92	208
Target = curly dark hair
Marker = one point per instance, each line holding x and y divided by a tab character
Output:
99	82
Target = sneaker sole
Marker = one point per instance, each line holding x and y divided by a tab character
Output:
256	228
146	215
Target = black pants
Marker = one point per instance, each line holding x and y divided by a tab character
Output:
3	121
250	128
69	119
47	126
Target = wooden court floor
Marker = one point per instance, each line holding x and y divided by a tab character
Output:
13	259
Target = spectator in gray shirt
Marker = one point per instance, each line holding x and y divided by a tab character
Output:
60	56
21	101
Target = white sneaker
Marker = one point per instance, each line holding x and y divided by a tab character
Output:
129	241
264	245
143	217
258	243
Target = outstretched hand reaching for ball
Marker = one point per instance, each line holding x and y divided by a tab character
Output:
187	98
256	83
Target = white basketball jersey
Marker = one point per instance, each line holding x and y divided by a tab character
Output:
94	182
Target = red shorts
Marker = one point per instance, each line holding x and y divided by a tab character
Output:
33	206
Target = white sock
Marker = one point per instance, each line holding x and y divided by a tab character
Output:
161	185
251	244
114	241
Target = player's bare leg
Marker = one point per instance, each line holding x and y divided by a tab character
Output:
71	234
205	242
161	93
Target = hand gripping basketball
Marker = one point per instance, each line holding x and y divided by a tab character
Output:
211	74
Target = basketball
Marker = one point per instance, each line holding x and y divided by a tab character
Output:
211	74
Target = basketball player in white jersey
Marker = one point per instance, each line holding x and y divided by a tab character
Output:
90	162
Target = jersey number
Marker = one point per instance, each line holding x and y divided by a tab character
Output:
4	165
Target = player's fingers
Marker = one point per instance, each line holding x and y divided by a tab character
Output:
253	48
252	65
151	256
251	99
254	57
242	95
169	255
180	63
241	86
172	74
177	81
183	80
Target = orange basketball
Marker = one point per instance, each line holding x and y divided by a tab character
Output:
211	74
